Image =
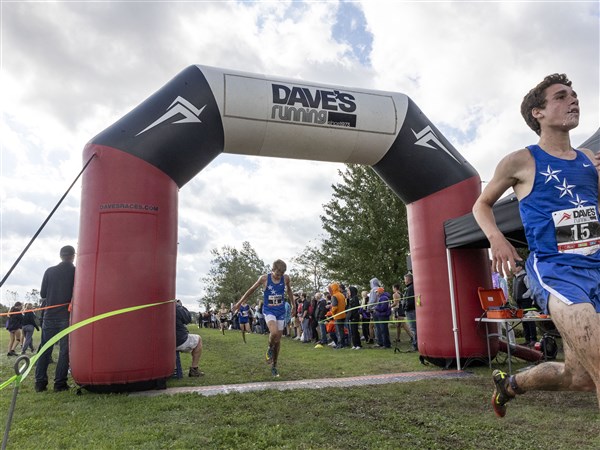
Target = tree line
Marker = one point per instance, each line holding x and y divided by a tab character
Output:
365	236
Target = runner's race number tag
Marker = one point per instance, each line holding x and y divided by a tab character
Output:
577	230
275	299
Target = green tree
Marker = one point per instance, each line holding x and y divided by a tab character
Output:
11	296
3	309
33	297
309	270
232	272
367	229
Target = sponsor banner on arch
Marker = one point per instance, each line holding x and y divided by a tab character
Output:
308	105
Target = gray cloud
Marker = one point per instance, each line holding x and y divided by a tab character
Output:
70	69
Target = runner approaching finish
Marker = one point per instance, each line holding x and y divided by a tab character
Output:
223	314
275	285
557	188
244	318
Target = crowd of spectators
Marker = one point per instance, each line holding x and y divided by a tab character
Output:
340	317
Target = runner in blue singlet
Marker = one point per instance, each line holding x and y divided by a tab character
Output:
275	284
557	188
244	319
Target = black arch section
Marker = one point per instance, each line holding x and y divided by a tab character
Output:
182	151
421	161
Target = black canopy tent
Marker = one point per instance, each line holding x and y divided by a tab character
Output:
463	231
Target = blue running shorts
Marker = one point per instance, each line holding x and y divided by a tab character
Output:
570	285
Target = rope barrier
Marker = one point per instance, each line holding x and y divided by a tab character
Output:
41	308
418	297
20	377
44	223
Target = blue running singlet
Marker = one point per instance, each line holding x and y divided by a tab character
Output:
560	216
274	298
244	313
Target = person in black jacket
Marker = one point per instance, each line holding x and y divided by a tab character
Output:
13	326
408	303
29	324
320	312
56	291
354	317
186	342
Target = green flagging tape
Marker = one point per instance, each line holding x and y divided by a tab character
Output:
63	333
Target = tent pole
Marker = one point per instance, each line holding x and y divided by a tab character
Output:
453	307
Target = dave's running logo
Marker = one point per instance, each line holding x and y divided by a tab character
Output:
314	106
565	216
180	106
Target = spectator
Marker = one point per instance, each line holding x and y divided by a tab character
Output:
296	317
400	315
312	310
375	284
14	325
186	342
365	317
57	289
354	317
408	303
330	328
29	324
320	317
382	316
338	309
305	319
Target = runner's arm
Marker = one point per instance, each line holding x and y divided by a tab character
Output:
504	254
249	292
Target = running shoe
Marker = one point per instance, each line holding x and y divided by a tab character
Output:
500	397
274	372
269	355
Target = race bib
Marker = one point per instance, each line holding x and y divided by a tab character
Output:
275	299
577	230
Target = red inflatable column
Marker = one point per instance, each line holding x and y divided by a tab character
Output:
126	257
430	265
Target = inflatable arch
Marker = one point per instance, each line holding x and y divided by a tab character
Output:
128	230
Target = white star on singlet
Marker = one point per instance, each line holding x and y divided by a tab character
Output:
579	203
550	174
565	189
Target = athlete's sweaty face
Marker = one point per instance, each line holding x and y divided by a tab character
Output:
562	108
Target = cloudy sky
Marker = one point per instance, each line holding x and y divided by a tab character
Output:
70	69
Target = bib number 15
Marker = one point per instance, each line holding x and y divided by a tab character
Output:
581	231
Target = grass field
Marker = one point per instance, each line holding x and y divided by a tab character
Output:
431	414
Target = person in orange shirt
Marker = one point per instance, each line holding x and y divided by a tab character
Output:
338	308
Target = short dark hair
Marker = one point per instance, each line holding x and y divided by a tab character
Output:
536	98
66	251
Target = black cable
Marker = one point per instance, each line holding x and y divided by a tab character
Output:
44	224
